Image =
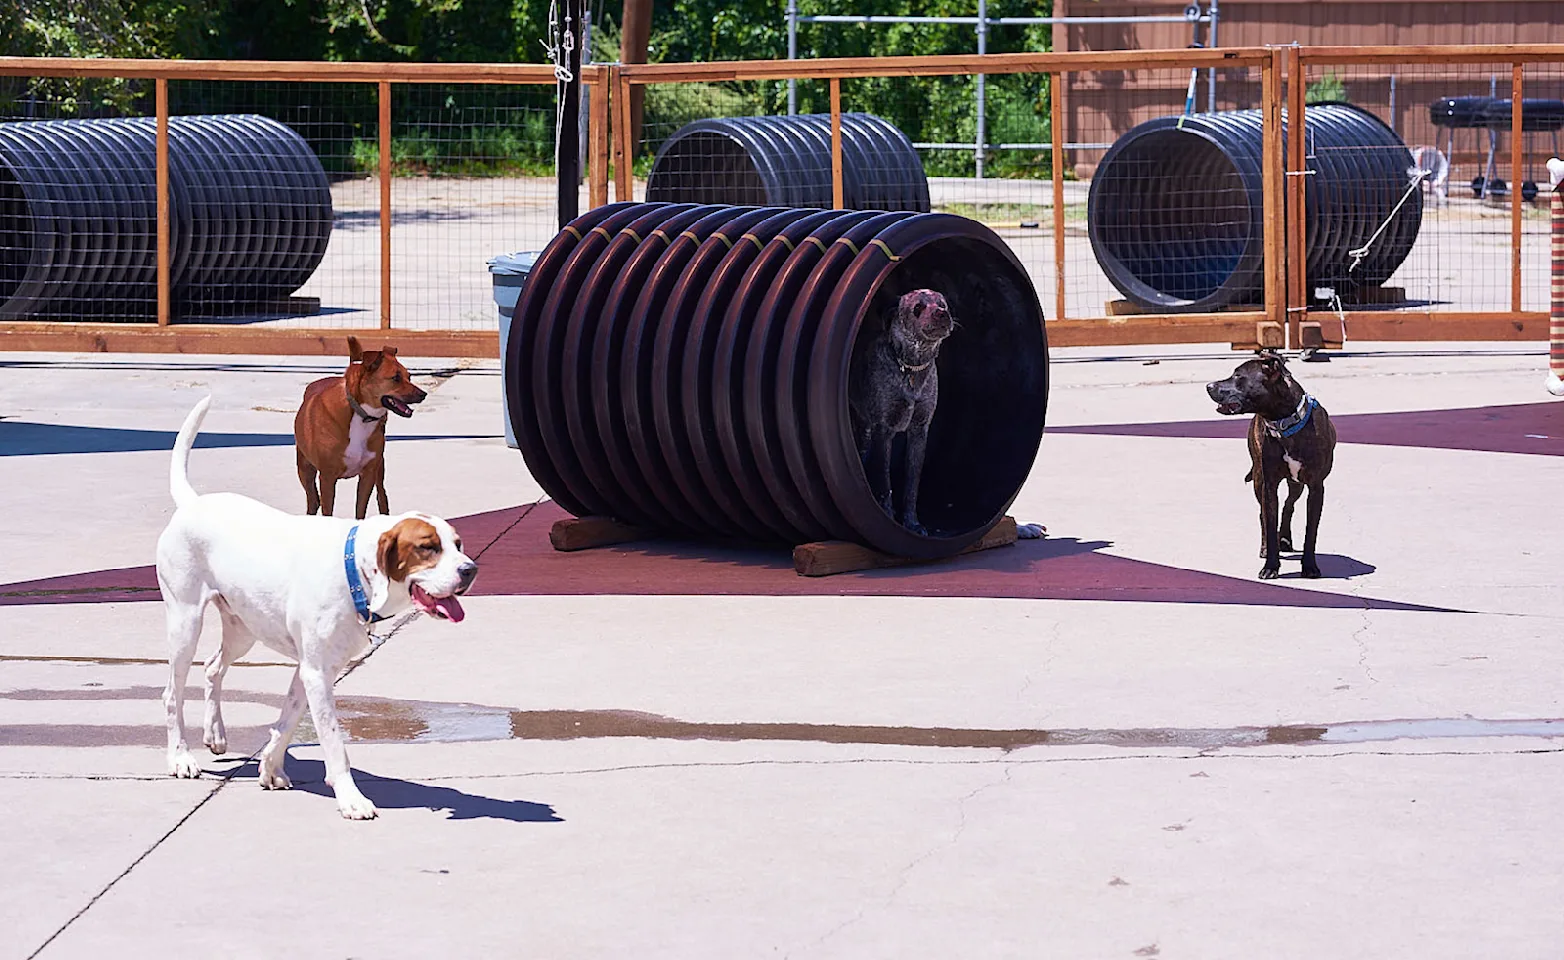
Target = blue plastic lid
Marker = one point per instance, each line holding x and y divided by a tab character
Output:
514	264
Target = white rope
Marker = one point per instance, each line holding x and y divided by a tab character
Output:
1361	253
559	45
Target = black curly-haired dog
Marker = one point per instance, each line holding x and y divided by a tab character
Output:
1291	438
895	389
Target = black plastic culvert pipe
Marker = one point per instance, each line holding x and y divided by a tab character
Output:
686	368
786	161
249	202
1176	217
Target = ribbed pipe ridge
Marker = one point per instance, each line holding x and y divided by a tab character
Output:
250	214
1176	214
685	367
786	161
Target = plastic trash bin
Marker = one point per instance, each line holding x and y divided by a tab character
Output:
510	274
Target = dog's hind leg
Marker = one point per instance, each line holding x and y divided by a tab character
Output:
1294	491
328	493
366	486
237	641
381	500
184	632
307	475
274	755
1311	529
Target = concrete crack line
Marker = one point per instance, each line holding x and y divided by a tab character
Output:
906	872
226	779
1363	649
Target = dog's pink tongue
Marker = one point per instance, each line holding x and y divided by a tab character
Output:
451	607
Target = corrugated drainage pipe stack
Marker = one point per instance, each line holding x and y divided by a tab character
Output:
250	212
1176	214
685	368
786	161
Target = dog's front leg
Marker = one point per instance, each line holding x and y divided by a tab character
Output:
328	493
307	475
917	446
883	440
1311	566
323	710
366	486
1265	491
1294	491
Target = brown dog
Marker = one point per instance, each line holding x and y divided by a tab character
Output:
340	429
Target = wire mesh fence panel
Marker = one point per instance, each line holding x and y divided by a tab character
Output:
1543	94
78	208
1448	247
267	202
1164	208
733	143
472	178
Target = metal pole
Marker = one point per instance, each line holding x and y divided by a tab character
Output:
982	44
1211	74
792	54
567	153
1393	103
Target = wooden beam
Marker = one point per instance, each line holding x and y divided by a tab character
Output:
165	294
635	33
1272	174
1517	148
385	204
828	557
318	71
624	148
584	533
1437	53
230	339
933	66
838	195
1230	328
1297	193
1369	325
1057	140
597	137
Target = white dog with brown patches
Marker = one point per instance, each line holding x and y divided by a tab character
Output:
307	587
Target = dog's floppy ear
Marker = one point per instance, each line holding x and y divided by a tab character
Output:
1273	364
355	352
388	350
372	360
387	567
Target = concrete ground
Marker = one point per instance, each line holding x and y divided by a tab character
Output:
1114	742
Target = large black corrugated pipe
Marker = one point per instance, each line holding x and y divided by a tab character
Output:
786	161
1176	218
685	368
250	214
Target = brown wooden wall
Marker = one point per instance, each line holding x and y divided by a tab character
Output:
1099	106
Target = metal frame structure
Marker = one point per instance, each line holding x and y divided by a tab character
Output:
982	22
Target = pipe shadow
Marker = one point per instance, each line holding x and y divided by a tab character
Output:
20	438
389	793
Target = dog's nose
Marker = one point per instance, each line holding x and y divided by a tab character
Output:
468	572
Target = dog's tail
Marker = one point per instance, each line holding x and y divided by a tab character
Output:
178	482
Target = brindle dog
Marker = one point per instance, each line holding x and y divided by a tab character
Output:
1291	438
895	389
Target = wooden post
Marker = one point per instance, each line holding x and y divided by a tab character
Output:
567	148
635	35
838	199
1056	139
1517	139
165	300
598	140
624	145
1272	174
1297	187
1555	379
385	205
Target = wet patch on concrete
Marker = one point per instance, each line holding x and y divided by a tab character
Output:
380	720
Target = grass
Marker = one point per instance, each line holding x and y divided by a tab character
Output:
527	150
1009	213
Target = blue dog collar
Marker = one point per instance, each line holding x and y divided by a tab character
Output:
355	583
1287	427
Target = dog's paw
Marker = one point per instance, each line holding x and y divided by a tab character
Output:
274	779
1031	531
356	806
1286	544
217	742
183	765
1312	571
1270	571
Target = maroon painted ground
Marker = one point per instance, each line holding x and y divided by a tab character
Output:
516	560
1536	428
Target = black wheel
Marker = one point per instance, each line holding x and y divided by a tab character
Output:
1529	191
1477	186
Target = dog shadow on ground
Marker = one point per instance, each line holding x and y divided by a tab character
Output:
389	793
1333	566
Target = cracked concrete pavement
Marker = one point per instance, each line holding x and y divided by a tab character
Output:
734	776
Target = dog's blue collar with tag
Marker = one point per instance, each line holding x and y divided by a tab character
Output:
1294	423
356	583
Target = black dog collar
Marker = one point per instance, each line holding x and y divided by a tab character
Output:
1291	425
363	414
